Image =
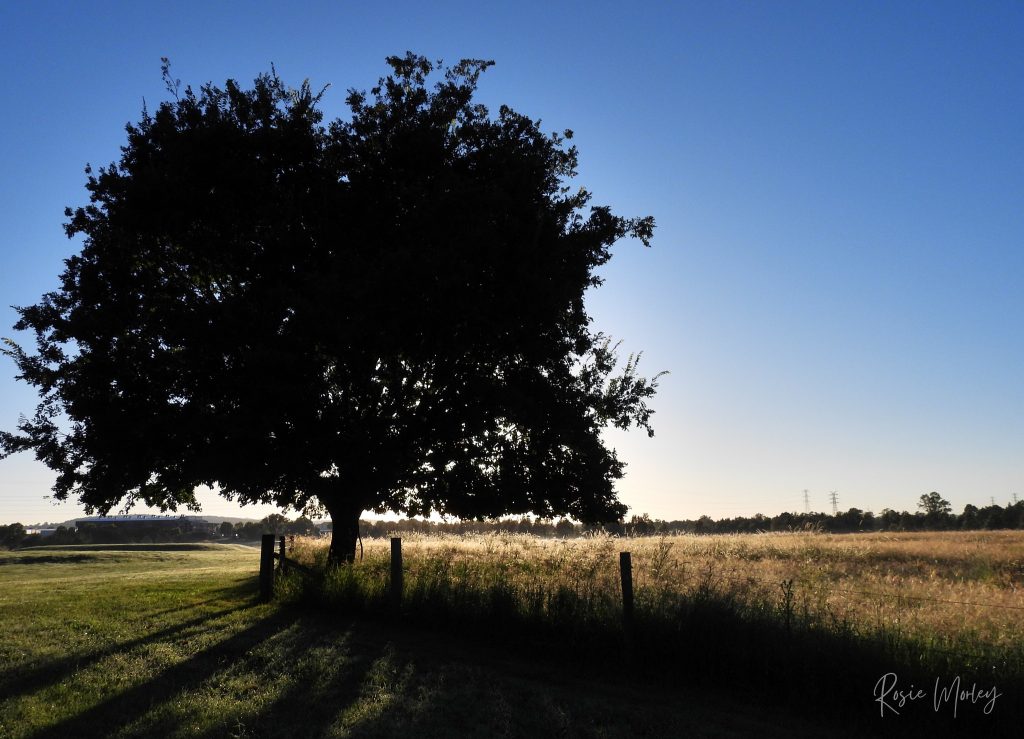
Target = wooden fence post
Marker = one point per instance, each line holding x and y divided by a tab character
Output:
626	574
284	562
396	573
267	567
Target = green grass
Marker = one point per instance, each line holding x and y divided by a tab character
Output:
156	641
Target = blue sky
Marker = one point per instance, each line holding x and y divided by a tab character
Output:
837	279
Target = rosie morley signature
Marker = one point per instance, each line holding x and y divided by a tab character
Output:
889	697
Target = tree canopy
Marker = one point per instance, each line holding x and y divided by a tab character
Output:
379	313
933	504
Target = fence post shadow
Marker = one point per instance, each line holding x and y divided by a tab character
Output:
396	575
626	577
267	567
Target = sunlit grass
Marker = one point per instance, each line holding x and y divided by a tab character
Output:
950	600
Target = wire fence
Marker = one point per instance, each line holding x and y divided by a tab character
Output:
747	578
627	582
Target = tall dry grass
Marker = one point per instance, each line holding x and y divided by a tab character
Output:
758	608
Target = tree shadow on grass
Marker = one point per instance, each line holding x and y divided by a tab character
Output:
302	674
830	674
399	682
288	674
722	676
18	682
470	692
323	671
309	676
114	714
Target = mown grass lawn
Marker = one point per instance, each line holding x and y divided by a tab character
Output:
169	641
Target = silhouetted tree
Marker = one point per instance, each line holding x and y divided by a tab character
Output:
249	531
12	535
275	523
1015	515
937	511
384	313
226	529
641	525
969	518
564	528
301	526
992	517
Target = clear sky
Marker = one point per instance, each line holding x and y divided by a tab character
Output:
837	280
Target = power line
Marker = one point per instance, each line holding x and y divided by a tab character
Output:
807	502
834	495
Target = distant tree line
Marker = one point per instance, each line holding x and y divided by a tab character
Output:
851	521
542	527
934	514
15	535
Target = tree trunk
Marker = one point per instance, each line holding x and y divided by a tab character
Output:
343	538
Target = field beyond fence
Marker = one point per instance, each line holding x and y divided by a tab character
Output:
813	615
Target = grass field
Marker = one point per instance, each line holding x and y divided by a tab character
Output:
954	590
504	636
168	641
802	619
